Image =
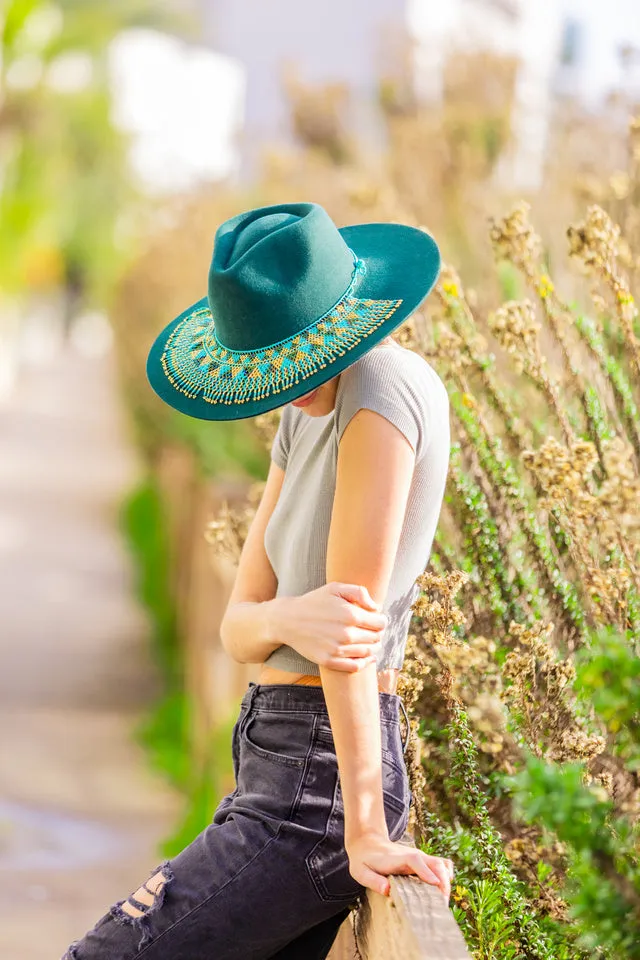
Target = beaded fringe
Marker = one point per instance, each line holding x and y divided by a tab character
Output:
199	367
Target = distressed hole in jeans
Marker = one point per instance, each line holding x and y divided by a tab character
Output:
150	892
135	911
138	909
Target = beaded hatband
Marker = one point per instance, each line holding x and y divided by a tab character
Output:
198	365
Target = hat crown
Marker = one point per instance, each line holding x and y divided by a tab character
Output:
274	271
257	230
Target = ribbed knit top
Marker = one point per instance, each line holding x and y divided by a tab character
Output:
401	385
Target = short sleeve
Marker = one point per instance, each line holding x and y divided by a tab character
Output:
394	383
282	440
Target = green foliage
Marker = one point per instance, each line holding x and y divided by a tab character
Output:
608	675
509	280
207	783
165	731
623	395
507	908
482	543
144	527
58	219
603	880
222	448
494	933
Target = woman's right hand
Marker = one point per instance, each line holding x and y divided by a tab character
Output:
337	625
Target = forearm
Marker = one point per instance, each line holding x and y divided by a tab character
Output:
354	712
249	631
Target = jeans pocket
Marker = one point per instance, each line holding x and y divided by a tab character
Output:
274	751
328	864
283	738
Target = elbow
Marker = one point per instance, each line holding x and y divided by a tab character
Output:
224	636
226	639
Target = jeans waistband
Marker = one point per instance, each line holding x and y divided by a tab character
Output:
291	697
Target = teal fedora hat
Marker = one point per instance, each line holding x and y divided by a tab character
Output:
292	300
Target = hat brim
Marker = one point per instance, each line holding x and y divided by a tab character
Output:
402	266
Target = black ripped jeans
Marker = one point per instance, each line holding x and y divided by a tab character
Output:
269	877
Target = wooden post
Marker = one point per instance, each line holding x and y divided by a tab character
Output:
226	679
214	681
177	479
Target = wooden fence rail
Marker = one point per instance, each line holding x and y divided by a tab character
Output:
413	923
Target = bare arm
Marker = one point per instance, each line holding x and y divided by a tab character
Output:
374	472
248	630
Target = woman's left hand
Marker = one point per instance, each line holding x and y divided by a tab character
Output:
372	858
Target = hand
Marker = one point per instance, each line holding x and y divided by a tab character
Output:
372	858
337	625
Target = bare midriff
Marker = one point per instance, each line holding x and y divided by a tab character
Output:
387	679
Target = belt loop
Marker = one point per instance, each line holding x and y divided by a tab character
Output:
247	704
406	720
249	696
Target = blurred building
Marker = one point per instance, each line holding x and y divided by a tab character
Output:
182	105
334	41
527	33
600	51
209	109
585	50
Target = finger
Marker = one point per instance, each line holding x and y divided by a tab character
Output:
356	593
359	650
442	873
352	634
350	664
369	601
449	868
371	620
375	881
419	866
366	662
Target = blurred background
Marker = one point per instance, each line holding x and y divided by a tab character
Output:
128	131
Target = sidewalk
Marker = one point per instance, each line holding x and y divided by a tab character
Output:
80	813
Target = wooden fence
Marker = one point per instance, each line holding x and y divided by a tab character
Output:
413	923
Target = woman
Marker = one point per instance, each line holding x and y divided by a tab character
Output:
298	314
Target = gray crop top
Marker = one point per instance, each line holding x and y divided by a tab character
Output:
402	386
